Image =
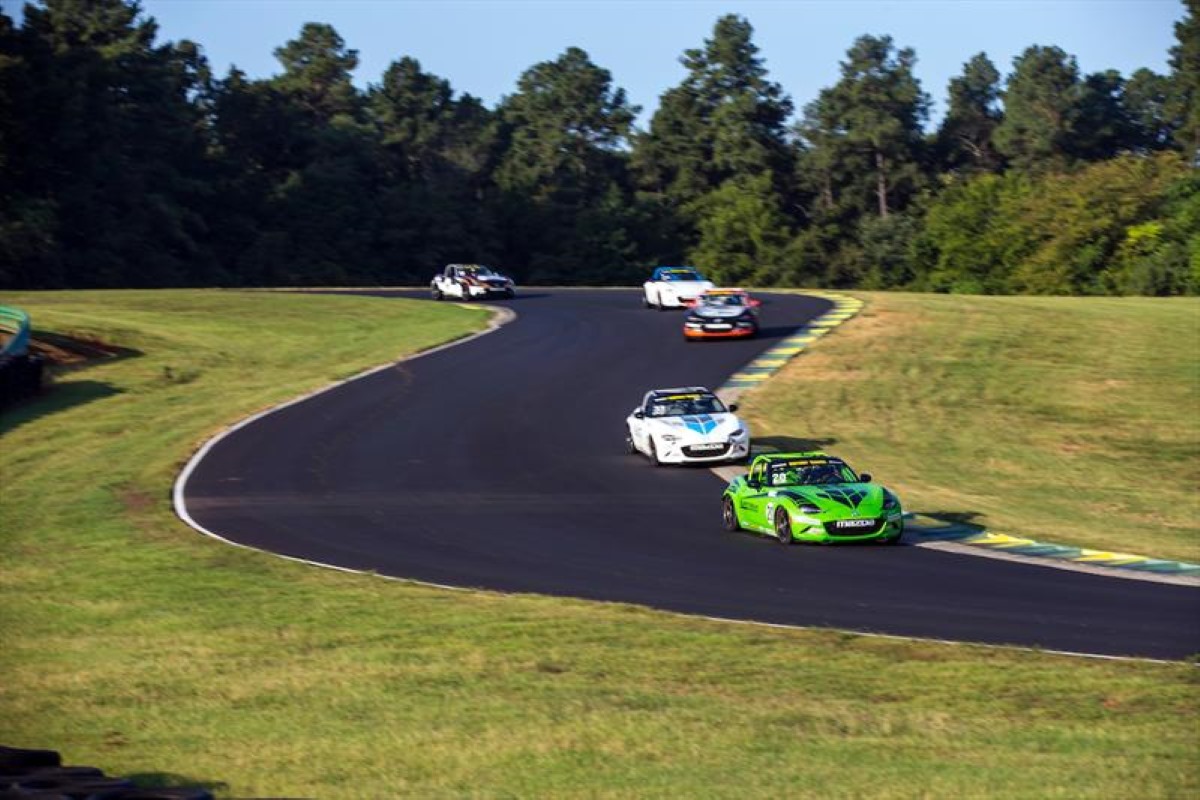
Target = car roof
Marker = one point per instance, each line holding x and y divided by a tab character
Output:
679	390
769	457
660	270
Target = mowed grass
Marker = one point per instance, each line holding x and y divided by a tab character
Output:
1068	420
134	644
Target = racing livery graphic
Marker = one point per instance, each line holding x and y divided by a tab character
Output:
471	281
673	287
721	314
811	497
686	425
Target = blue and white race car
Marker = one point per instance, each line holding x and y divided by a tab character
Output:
686	425
673	287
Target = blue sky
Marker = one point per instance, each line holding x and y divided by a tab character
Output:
482	46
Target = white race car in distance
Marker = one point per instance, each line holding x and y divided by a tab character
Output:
470	281
686	425
673	287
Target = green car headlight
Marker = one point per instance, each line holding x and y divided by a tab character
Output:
890	502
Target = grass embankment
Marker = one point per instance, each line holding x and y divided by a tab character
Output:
1069	420
136	645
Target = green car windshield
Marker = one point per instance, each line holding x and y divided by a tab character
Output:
678	405
809	472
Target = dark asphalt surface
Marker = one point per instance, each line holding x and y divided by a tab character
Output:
499	464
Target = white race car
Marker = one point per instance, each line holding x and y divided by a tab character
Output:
673	287
686	425
469	281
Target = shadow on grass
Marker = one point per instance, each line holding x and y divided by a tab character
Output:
950	525
51	400
790	444
964	518
170	780
64	356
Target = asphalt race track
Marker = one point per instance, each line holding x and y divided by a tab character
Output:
500	464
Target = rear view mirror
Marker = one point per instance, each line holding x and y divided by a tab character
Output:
733	407
864	477
639	415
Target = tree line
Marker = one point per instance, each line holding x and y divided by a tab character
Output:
126	162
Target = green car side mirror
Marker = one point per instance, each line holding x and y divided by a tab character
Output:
864	477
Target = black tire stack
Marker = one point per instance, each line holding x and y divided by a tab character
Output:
40	775
20	377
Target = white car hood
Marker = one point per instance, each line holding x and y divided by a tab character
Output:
687	288
697	427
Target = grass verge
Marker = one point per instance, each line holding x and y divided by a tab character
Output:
1068	420
131	643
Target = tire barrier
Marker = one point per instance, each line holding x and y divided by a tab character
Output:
39	774
20	373
20	378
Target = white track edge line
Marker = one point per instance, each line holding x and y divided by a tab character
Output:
500	316
503	316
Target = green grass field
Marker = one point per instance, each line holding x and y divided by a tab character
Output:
1069	420
131	643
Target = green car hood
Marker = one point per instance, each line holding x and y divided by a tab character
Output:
840	499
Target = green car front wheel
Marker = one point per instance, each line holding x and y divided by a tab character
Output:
783	527
729	515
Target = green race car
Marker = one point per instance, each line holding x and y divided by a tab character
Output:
811	497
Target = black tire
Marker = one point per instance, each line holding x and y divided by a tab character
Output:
660	305
436	293
646	301
783	527
729	515
629	446
510	294
653	454
895	540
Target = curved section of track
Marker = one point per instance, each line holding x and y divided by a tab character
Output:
498	464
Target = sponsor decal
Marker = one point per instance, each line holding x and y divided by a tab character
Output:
702	424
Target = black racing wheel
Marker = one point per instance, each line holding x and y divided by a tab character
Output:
783	527
729	515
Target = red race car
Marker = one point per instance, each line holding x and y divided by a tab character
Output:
722	314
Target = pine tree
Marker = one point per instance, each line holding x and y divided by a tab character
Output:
1041	112
965	137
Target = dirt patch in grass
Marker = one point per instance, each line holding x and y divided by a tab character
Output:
73	351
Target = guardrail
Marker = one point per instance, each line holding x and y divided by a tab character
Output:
14	322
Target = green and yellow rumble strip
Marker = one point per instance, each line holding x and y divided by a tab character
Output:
926	530
932	530
770	361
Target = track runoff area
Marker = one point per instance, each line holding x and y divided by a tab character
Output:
498	463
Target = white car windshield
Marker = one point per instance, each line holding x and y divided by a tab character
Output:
478	272
680	275
735	300
679	405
